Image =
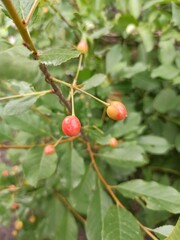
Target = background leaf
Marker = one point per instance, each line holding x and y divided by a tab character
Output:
147	191
94	81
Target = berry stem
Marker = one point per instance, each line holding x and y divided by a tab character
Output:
78	70
41	93
61	81
35	4
97	99
72	101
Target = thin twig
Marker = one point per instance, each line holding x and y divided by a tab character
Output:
35	4
3	146
70	208
57	90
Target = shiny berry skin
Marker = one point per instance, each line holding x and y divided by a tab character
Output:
71	126
113	142
82	46
116	111
49	149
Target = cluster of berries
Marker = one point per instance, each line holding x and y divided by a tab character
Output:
71	125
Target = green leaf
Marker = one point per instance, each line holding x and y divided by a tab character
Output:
176	14
155	195
82	194
167	72
37	166
166	101
61	224
167	52
113	57
23	7
154	144
94	81
19	106
127	156
131	71
175	233
164	230
135	7
119	224
71	168
15	64
147	37
98	206
131	124
58	56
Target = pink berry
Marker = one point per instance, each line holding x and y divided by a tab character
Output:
71	126
82	46
113	142
49	149
5	173
116	111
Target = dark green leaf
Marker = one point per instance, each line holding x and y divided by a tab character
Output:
119	224
71	168
100	202
155	195
37	166
58	56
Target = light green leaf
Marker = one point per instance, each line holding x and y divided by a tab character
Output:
135	7
164	230
155	195
15	64
167	52
72	168
23	7
37	166
149	4
154	144
119	224
131	71
176	14
168	72
98	206
81	195
58	56
94	81
19	106
166	101
175	233
113	57
147	37
127	156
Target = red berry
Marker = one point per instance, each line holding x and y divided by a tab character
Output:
5	173
116	111
49	149
71	126
82	46
113	142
